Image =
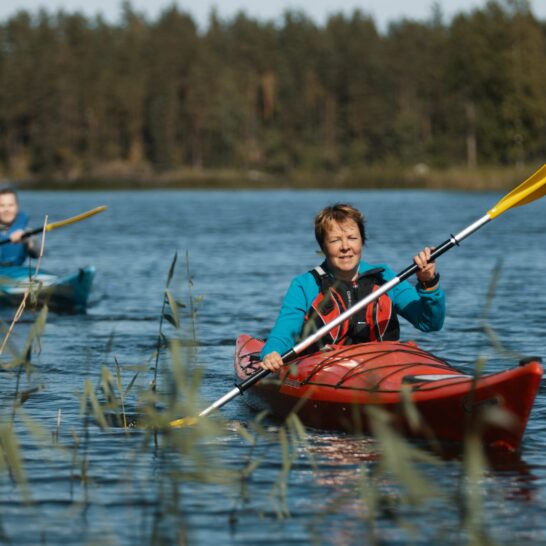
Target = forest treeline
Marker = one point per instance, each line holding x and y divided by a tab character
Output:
81	97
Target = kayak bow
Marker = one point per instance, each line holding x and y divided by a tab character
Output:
66	293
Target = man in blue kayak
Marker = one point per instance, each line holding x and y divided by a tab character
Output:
321	295
13	224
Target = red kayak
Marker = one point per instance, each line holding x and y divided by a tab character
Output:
333	388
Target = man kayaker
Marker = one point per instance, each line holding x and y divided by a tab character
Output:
13	224
319	296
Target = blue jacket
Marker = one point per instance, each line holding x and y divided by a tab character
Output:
425	309
13	254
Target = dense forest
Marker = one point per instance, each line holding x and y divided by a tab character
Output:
81	97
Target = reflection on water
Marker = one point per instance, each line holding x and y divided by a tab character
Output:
260	484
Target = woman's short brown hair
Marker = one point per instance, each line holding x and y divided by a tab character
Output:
339	213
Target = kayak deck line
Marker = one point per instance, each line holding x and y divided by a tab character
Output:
344	357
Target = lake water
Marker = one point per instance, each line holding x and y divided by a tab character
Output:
241	249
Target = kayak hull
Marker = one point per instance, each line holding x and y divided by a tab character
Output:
336	390
68	293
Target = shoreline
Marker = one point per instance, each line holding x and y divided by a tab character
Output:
491	178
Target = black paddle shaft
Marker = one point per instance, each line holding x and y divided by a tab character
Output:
26	235
436	253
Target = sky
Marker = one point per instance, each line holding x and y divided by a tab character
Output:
383	11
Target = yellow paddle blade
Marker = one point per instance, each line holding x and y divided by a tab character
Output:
183	422
77	218
530	190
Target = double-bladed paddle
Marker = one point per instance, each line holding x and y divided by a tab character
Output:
532	189
60	223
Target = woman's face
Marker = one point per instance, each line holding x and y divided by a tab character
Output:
343	249
8	208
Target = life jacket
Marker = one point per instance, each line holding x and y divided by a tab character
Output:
376	322
13	254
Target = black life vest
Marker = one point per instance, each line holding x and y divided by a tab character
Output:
376	322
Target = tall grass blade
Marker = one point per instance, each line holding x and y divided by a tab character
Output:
12	457
172	269
89	396
174	310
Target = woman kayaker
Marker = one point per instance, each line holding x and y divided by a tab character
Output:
320	295
13	224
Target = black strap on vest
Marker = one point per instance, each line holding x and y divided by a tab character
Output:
326	281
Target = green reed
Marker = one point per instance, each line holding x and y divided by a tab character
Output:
13	365
10	457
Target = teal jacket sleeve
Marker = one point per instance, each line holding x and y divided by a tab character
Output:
298	299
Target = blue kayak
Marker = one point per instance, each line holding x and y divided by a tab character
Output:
68	293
